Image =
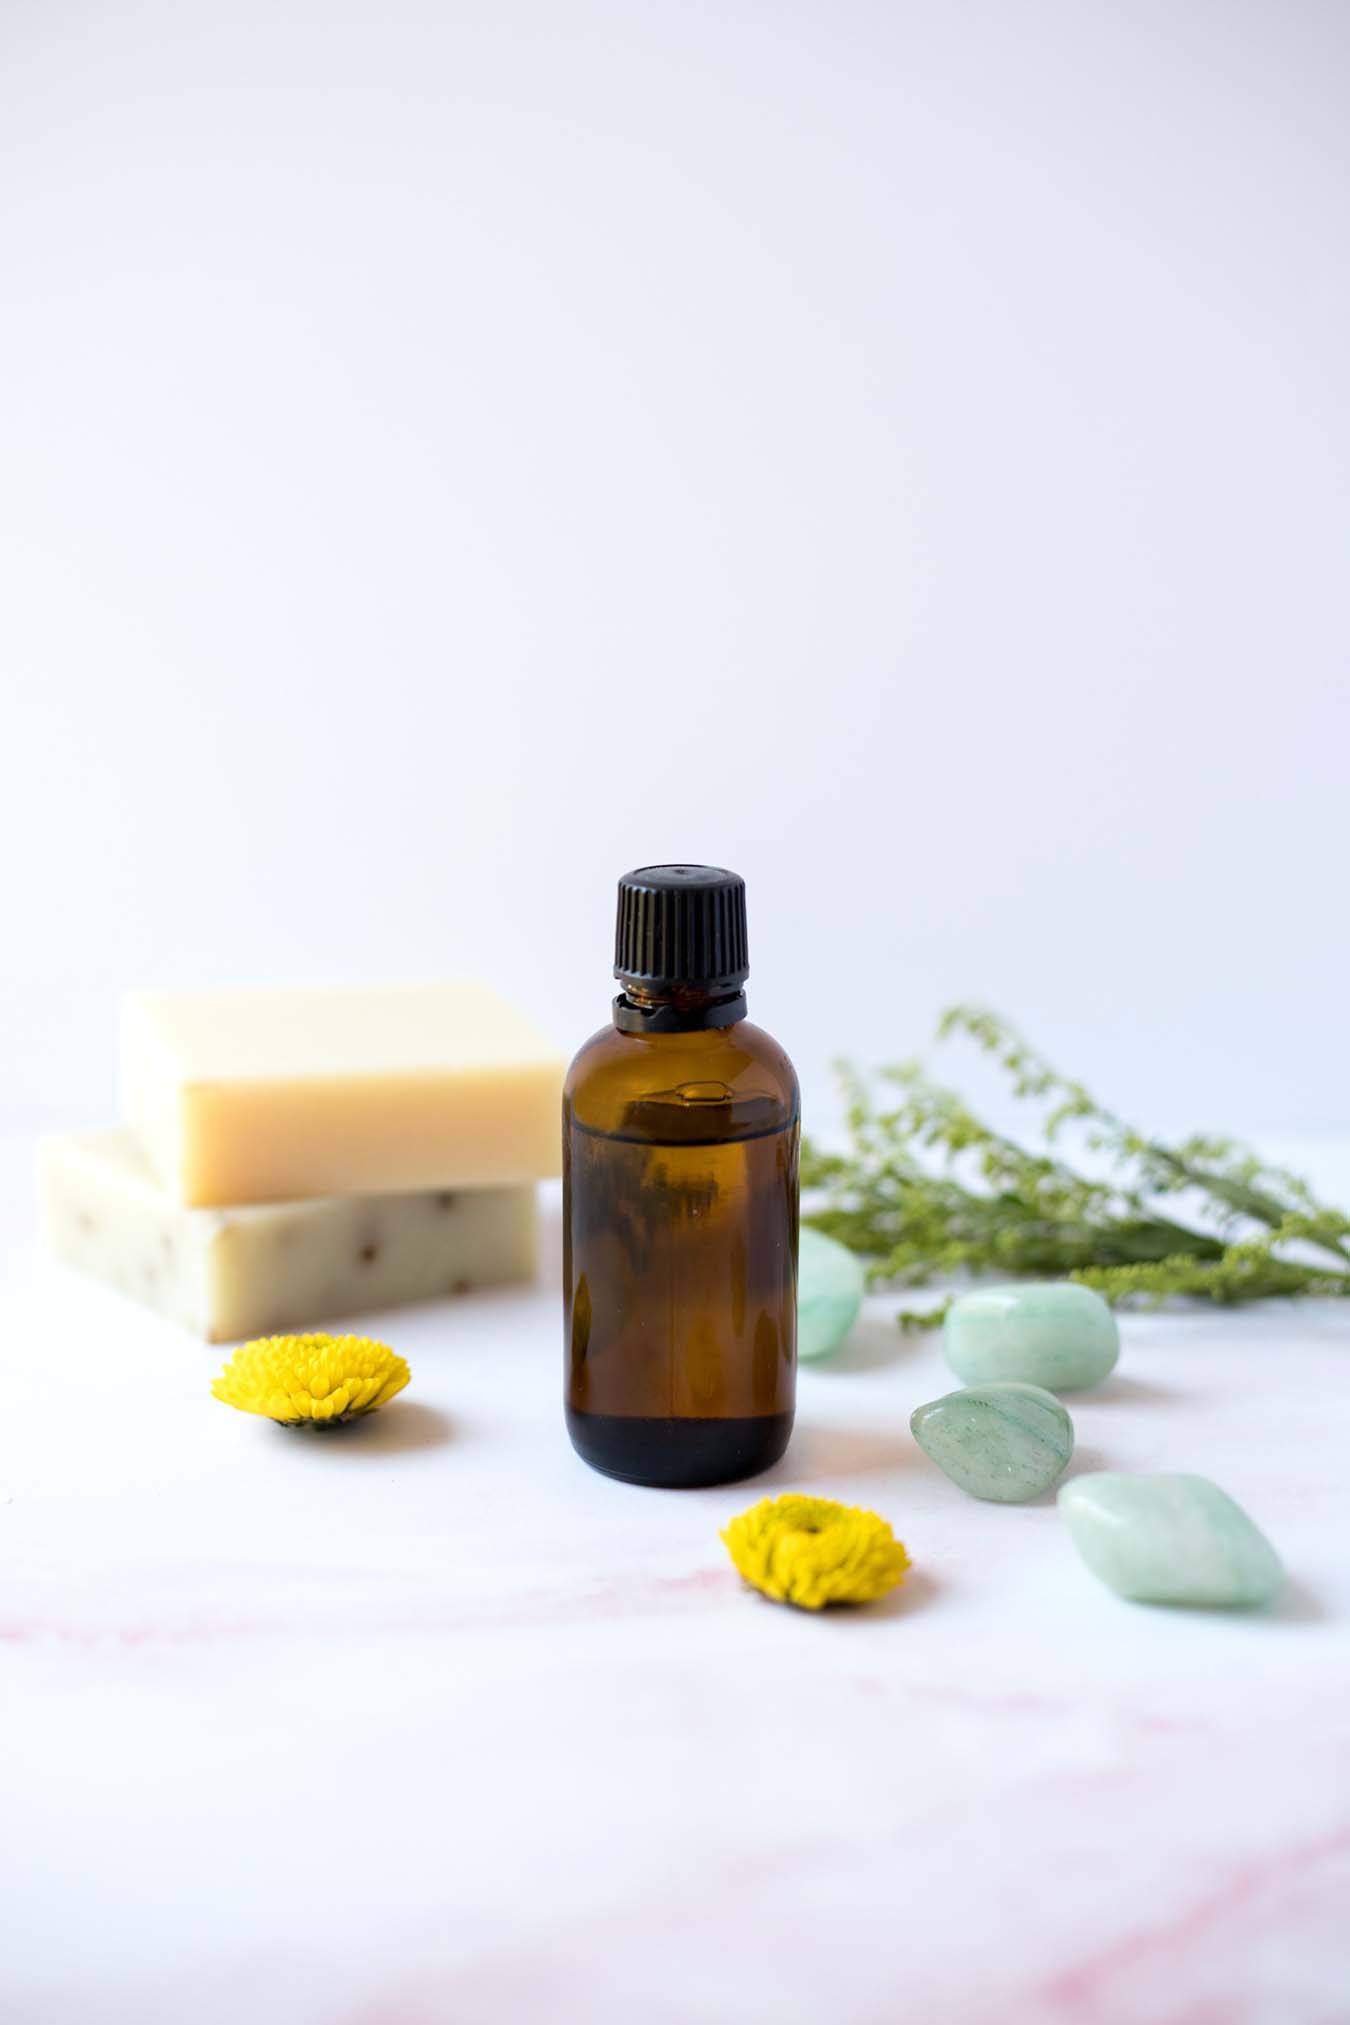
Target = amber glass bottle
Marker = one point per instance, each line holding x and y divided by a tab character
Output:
680	1142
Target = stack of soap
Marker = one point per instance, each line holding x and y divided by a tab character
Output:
293	1156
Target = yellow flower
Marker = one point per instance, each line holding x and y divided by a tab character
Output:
811	1551
311	1381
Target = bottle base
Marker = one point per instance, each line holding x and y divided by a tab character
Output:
677	1454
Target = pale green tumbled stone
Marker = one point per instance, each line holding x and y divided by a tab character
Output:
1169	1539
830	1282
1050	1332
1006	1442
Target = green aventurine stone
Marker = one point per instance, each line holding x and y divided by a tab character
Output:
1052	1333
1006	1442
829	1293
1169	1539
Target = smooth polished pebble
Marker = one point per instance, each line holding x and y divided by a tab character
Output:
1003	1442
1169	1539
1048	1332
830	1282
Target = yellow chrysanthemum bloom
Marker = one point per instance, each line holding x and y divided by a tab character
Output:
811	1551
311	1381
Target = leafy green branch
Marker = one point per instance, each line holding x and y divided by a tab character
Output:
926	1189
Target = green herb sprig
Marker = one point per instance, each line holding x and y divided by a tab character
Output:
926	1190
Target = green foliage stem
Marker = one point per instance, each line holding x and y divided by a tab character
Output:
926	1189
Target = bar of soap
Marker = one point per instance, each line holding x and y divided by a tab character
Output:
251	1271
265	1096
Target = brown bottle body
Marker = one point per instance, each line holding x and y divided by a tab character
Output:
680	1159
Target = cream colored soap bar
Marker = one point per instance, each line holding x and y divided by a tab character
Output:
262	1096
232	1273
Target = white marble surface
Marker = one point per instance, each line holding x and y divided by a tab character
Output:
425	1722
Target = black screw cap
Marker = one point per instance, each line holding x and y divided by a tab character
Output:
681	925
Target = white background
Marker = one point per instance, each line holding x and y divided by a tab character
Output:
449	454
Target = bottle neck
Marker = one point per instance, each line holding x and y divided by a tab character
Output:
675	1008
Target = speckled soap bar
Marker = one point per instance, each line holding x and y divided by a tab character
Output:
251	1271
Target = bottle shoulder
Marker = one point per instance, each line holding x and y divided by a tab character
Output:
728	1082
